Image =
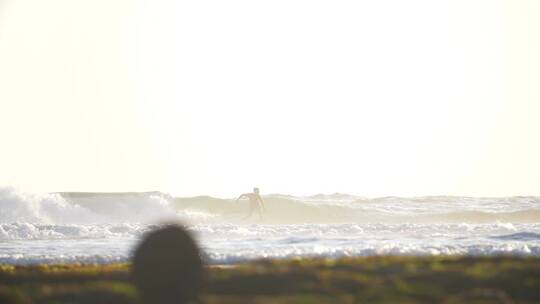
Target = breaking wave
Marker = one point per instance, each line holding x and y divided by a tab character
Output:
104	227
84	208
151	207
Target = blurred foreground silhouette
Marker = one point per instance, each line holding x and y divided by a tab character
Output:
167	267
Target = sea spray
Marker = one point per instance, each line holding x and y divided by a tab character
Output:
103	227
17	206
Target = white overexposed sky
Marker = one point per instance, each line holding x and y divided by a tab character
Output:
301	97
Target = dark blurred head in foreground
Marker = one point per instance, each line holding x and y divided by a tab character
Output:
167	267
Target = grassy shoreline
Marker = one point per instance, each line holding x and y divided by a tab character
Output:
378	279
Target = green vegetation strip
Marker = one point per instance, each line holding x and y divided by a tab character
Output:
348	280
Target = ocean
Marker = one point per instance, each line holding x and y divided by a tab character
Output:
105	227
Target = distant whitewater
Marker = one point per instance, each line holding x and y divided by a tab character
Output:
103	227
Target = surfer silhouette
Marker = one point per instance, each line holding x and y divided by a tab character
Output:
255	202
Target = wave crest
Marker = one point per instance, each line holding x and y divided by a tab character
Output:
148	207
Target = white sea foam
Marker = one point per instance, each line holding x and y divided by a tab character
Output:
104	227
85	208
18	206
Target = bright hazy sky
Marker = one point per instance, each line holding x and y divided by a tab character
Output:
214	97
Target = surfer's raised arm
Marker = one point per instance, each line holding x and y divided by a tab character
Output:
242	195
